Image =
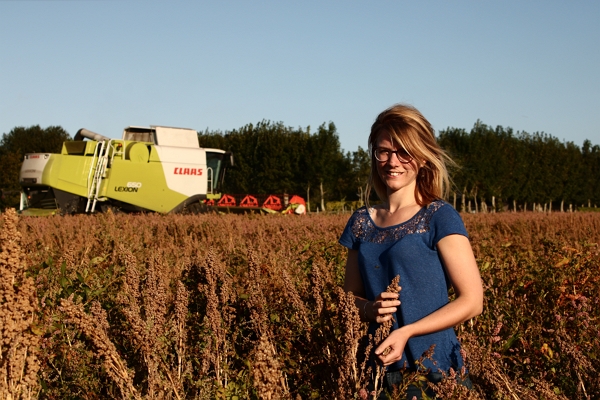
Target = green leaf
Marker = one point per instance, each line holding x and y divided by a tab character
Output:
97	260
64	282
36	329
510	341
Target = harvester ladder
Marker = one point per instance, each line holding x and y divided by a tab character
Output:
98	168
91	174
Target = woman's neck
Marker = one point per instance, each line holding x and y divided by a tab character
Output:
400	200
396	210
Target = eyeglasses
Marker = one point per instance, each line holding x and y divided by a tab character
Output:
383	155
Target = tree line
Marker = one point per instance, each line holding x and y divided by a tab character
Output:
497	168
516	170
14	145
272	158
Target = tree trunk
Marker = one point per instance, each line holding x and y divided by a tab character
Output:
562	204
308	199
493	204
515	205
361	195
464	197
322	197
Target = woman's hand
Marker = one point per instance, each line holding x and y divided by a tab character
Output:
384	306
379	310
391	349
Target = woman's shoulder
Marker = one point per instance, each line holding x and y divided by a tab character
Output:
362	210
439	207
358	213
357	225
443	218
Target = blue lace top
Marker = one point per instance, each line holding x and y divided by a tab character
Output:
409	250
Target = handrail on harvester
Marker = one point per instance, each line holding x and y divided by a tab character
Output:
99	172
93	172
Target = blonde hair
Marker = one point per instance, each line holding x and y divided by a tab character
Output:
407	127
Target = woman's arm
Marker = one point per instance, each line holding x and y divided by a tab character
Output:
379	310
458	259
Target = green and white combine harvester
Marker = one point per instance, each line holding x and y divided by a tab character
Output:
154	168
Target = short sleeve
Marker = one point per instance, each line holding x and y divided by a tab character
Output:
446	221
348	239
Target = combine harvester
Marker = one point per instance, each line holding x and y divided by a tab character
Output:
154	168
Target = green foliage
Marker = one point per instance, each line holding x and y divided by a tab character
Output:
273	158
511	167
14	146
522	167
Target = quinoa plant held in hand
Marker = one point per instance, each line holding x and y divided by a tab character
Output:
381	334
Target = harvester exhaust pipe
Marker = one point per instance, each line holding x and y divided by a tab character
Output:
84	133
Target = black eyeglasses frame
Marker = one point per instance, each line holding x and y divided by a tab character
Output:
405	158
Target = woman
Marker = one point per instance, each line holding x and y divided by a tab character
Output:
415	234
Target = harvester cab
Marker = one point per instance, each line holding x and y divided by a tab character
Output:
154	168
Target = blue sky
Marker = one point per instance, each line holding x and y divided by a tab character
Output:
104	65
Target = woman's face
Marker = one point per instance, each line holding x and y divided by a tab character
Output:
395	174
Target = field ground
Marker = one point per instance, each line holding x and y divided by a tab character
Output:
234	307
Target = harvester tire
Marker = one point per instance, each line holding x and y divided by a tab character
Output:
195	208
110	208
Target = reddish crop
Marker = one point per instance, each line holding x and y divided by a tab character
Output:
225	306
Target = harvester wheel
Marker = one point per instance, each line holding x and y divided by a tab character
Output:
110	208
195	208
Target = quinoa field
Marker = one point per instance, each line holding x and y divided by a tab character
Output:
251	307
